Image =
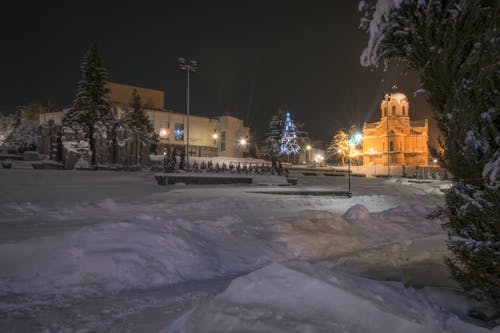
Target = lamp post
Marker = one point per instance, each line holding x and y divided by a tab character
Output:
188	66
164	159
349	193
308	153
387	98
352	140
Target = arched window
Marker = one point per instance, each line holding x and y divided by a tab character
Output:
403	109
393	110
391	146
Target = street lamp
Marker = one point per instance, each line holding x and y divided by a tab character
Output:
352	141
387	98
308	149
188	66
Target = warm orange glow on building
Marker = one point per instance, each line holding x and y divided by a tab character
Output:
395	135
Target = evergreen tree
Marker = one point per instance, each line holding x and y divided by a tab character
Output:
454	47
288	141
91	105
273	135
136	117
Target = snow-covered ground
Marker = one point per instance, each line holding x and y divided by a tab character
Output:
84	251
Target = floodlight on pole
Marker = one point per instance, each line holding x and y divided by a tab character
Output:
190	66
353	140
387	98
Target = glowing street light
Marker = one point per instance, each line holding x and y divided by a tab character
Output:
308	152
243	141
215	136
353	140
387	98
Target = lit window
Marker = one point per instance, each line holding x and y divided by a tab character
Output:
179	132
164	131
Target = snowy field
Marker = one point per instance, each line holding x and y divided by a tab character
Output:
84	251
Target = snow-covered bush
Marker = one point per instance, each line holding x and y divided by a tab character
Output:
6	127
454	46
23	137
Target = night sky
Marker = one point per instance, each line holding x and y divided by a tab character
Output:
254	56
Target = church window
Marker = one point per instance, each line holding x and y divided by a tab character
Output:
403	109
391	146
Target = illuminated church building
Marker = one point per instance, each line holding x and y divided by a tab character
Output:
406	140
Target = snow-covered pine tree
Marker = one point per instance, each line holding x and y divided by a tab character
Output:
273	135
91	106
135	117
454	47
303	138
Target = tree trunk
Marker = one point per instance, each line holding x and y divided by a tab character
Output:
92	144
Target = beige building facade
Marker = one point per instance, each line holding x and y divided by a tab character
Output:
395	139
208	137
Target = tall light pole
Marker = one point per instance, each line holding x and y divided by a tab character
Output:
308	153
352	141
190	66
387	98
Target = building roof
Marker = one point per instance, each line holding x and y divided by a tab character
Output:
418	123
122	94
370	125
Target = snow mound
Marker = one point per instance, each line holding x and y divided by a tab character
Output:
143	252
357	212
277	299
327	235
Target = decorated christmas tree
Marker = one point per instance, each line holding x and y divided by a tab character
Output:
289	145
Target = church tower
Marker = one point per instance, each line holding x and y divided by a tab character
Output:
395	140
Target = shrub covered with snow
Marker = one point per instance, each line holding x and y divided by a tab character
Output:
23	137
6	127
